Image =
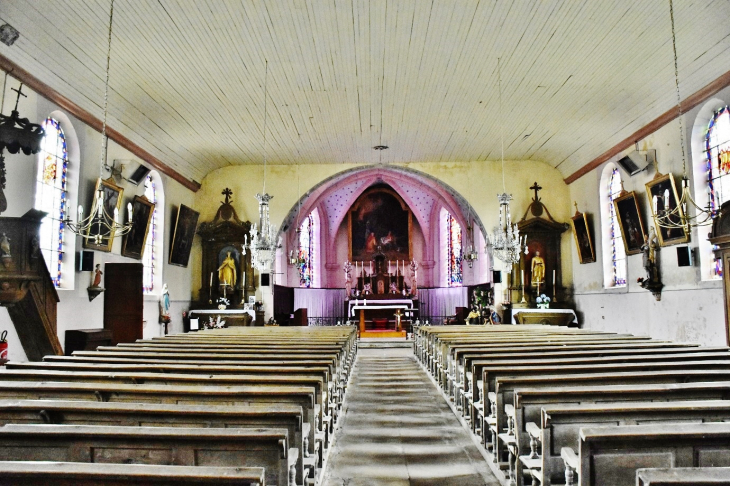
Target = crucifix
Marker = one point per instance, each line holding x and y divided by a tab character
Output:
20	93
536	188
227	193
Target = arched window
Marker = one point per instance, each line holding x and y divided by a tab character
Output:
717	152
50	196
453	251
614	254
308	251
149	256
306	247
618	253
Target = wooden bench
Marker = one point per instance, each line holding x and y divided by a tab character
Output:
173	394
560	427
684	476
59	412
267	448
43	473
616	453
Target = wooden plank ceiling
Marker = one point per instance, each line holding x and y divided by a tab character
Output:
420	76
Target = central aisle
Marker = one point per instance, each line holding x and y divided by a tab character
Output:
397	429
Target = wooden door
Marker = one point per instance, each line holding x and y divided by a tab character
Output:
123	301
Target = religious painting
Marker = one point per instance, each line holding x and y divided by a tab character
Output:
182	236
134	241
112	194
663	200
380	221
582	236
629	220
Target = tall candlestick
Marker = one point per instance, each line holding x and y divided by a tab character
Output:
371	268
522	277
553	277
389	272
211	279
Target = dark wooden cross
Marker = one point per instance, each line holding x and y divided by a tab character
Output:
536	188
20	93
228	193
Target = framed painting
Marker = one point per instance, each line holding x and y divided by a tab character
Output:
183	233
663	199
380	222
134	241
582	236
629	220
112	200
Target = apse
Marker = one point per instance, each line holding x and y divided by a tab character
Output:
393	211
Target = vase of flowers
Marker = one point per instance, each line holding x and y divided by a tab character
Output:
543	302
223	303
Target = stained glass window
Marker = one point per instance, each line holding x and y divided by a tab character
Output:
50	196
149	258
306	252
618	253
717	150
454	254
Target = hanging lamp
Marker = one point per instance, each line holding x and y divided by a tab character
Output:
679	216
262	243
506	243
100	227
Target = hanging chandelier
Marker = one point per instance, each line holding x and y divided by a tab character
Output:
679	217
296	258
471	255
506	243
100	227
263	243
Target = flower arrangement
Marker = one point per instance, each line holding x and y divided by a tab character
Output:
223	303
543	302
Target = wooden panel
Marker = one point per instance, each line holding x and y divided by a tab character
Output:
187	77
123	301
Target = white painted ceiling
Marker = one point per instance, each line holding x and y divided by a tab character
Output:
420	76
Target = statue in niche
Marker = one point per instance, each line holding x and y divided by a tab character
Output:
538	268
227	271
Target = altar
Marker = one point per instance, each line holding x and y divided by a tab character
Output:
380	313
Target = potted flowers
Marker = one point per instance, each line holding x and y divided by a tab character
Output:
543	302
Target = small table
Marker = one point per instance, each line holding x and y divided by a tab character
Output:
553	317
234	314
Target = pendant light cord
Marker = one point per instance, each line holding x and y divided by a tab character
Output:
501	121
5	84
266	77
676	84
104	142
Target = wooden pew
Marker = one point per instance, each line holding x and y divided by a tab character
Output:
267	448
684	476
174	394
560	426
43	473
59	412
618	452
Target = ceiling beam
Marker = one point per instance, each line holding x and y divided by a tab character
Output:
84	116
666	117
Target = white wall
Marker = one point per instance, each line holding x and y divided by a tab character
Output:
690	309
74	309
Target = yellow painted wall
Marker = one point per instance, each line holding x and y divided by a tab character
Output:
478	182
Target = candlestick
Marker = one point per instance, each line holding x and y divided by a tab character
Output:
522	277
211	280
389	269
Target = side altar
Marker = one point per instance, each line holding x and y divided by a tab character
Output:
380	301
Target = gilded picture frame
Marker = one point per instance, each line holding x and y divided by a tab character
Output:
183	233
662	193
113	195
582	237
134	242
629	221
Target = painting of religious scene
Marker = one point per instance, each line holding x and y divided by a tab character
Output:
380	222
632	228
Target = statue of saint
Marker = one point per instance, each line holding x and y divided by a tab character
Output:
97	276
649	250
537	268
164	305
227	271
